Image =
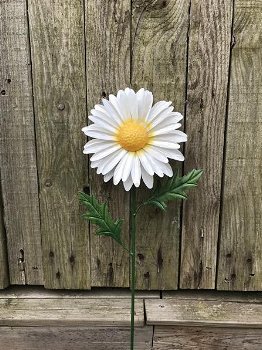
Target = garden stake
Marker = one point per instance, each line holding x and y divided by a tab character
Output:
133	212
132	141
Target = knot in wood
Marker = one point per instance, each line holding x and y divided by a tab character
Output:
61	106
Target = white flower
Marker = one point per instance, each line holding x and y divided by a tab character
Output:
132	139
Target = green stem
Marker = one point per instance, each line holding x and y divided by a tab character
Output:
133	212
140	206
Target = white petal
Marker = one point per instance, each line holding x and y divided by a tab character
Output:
167	129
164	144
111	110
148	179
103	123
145	101
173	154
175	136
94	127
99	135
154	164
136	171
94	164
154	152
159	167
114	101
145	163
94	131
166	169
128	166
112	161
179	136
97	164
176	116
101	112
123	104
167	117
157	109
162	117
96	145
159	123
118	172
109	176
132	103
128	184
105	152
100	164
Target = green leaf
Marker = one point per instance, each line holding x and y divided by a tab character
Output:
98	214
174	188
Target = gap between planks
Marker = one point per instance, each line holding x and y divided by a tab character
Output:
237	297
38	292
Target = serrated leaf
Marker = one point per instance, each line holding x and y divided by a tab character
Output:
174	188
158	204
98	214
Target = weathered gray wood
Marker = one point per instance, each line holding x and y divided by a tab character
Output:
69	312
104	293
17	147
4	278
200	338
238	297
240	259
203	313
58	57
78	338
108	70
208	66
159	45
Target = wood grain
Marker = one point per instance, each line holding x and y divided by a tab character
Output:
108	70
69	312
77	338
4	277
203	313
159	44
17	147
82	51
208	66
200	338
58	56
240	259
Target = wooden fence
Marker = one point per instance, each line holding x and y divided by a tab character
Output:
57	59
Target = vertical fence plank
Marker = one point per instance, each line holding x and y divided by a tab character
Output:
17	147
108	69
159	43
58	64
208	66
240	259
4	278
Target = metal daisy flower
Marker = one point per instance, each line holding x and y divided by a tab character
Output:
133	139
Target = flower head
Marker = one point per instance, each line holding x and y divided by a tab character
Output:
133	139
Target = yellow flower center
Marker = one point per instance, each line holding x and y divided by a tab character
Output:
133	135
